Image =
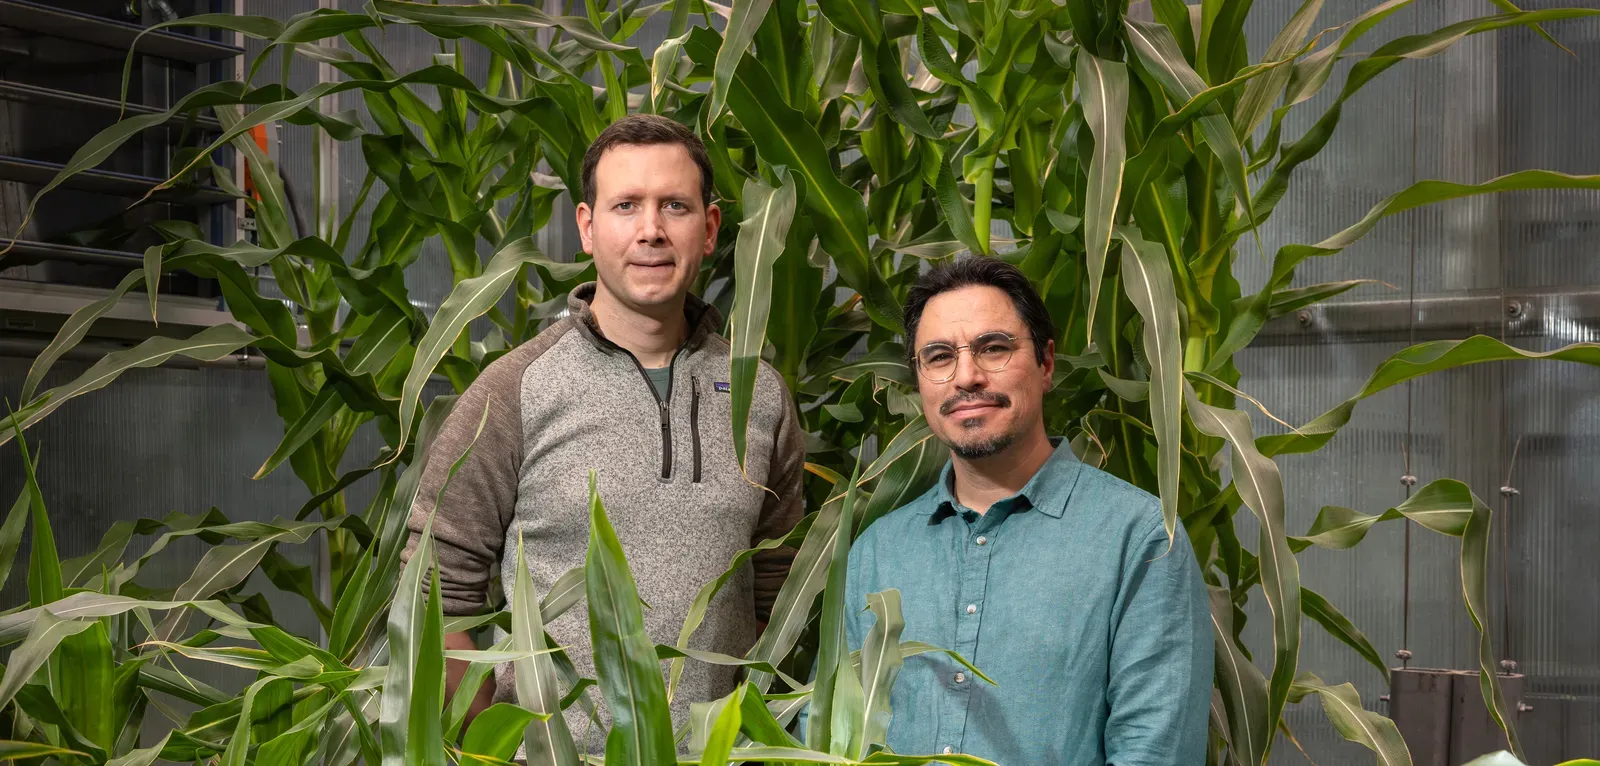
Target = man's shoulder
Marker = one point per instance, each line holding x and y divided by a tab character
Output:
897	522
507	371
1115	500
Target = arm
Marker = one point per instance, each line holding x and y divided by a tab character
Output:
1159	689
469	519
782	508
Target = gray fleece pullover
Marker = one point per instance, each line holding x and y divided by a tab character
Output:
568	402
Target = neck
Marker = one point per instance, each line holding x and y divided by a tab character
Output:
652	336
985	481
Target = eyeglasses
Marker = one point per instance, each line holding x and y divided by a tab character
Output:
990	351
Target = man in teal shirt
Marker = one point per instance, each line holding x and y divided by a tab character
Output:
1056	579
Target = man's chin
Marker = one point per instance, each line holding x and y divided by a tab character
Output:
982	447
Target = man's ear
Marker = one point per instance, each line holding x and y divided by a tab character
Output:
585	220
1049	364
713	225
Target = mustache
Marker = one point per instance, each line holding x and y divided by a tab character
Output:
991	397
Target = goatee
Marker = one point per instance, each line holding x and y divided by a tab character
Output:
983	449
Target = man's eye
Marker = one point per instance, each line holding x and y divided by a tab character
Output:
938	357
624	205
676	206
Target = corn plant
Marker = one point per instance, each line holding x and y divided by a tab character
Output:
1133	161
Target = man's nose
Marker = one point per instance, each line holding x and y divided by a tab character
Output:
651	228
969	376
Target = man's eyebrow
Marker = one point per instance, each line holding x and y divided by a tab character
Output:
976	336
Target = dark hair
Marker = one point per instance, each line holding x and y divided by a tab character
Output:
981	270
646	130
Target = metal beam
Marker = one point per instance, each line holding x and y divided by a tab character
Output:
1521	312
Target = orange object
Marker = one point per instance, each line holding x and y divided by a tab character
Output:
259	134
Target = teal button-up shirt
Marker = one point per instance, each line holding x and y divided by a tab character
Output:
1097	634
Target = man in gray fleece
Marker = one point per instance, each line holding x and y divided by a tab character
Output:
632	383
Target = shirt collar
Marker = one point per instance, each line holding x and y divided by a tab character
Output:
1047	492
703	319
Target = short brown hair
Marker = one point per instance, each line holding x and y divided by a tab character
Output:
647	130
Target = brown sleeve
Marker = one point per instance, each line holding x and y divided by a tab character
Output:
479	503
783	507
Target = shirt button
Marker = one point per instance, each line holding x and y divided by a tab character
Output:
972	608
982	539
961	677
948	750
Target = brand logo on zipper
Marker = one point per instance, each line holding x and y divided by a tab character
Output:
721	387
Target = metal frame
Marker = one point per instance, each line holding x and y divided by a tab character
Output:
108	33
20	93
39	173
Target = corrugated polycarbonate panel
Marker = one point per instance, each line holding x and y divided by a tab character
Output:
1549	111
1491	105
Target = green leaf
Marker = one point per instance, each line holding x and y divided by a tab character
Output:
46	633
524	18
1103	87
782	136
830	724
1414	362
736	37
1332	620
548	741
1444	506
1259	94
1365	727
725	730
44	564
808	575
85	674
470	299
321	410
11	531
224	566
497	731
906	468
414	687
208	345
886	76
880	665
1285	301
12	749
663	62
1240	684
702	600
239	744
954	207
1260	486
389	332
629	675
1160	54
860	18
767	215
1147	279
73	330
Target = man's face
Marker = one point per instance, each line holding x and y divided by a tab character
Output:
648	228
980	412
